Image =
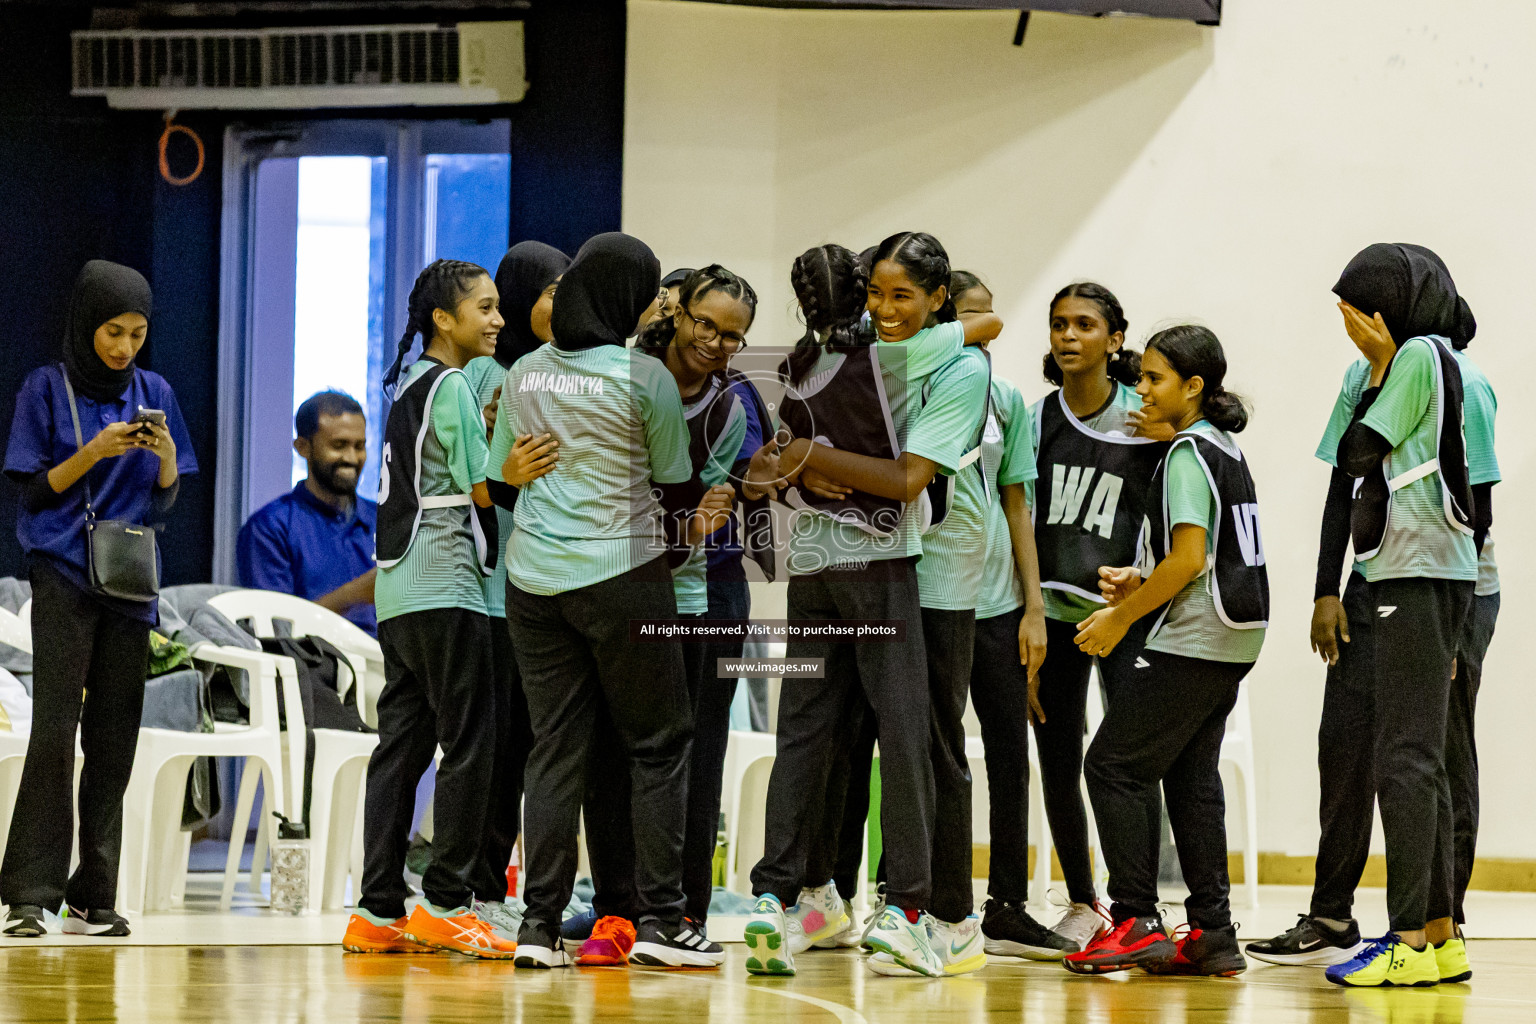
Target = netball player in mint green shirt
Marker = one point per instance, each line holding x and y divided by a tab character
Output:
1401	310
590	553
842	572
432	589
1208	598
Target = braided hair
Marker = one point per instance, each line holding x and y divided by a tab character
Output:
1124	365
657	335
442	285
926	263
832	287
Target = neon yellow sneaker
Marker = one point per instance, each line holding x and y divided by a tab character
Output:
1451	958
1388	961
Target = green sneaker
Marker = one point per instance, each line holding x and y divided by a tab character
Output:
1389	961
1451	959
767	939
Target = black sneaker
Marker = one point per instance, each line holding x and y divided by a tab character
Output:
26	921
1010	931
105	923
539	947
1310	944
658	944
1208	952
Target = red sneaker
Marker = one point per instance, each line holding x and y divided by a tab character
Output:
609	944
1134	942
1209	952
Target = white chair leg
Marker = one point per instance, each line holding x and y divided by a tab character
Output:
319	835
250	774
263	836
1250	839
133	862
184	865
357	840
165	831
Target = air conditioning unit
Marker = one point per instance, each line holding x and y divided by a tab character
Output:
286	68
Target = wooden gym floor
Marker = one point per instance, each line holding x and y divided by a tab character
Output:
93	981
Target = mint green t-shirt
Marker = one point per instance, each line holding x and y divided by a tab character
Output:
690	580
619	419
441	569
485	376
949	574
1419	541
937	428
1007	457
1480	406
1191	627
1114	419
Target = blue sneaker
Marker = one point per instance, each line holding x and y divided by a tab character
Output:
767	938
578	928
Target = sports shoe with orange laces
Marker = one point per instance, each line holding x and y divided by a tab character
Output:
365	936
1208	952
609	944
1134	942
457	931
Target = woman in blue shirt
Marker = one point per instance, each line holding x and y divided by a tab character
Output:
90	652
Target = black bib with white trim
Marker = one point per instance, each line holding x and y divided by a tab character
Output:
845	406
400	498
1239	579
1091	498
1371	510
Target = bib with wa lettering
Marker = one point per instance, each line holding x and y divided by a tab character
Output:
1090	498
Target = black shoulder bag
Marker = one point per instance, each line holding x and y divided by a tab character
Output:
119	555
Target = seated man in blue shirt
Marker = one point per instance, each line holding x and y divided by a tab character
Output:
316	541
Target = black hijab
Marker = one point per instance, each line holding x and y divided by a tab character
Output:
1412	290
610	283
525	271
102	291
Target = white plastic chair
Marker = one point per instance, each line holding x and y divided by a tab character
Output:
1237	753
748	764
341	758
154	858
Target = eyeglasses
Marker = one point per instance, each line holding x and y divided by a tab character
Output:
706	330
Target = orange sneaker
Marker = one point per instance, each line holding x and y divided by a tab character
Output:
460	932
609	945
363	936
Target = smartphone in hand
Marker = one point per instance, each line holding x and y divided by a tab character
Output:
144	417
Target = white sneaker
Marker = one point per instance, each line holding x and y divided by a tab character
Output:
767	936
874	916
501	918
817	917
1082	923
961	947
851	935
907	944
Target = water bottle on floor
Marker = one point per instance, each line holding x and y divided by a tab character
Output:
290	867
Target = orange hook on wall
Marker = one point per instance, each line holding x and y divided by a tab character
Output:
165	138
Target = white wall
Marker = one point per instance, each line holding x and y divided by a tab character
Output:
1225	174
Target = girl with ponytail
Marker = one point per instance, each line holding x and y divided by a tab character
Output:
436	541
1208	593
1094	461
